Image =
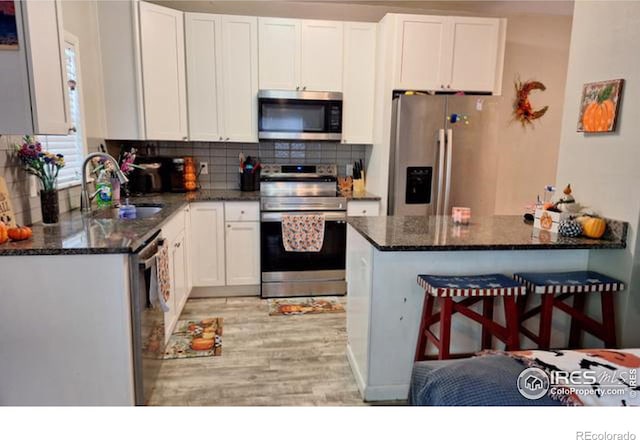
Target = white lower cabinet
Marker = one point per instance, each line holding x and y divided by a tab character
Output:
225	249
207	236
243	253
363	208
175	235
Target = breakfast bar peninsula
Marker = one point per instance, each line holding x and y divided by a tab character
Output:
384	302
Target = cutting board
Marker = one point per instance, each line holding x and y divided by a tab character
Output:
6	210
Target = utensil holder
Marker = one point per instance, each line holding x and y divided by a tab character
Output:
250	181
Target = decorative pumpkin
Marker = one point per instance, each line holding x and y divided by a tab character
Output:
20	233
598	116
570	228
201	344
4	237
593	227
190	185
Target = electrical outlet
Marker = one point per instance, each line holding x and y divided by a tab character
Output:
349	169
204	167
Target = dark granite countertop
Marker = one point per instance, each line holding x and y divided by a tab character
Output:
438	233
101	234
363	196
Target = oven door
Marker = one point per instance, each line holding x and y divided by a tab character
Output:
303	273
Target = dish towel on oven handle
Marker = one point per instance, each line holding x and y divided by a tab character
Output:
302	232
159	283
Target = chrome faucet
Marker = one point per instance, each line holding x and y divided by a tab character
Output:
85	199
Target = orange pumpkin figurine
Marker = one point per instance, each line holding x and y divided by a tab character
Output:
19	233
598	116
4	236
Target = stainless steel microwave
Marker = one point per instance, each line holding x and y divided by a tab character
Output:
293	115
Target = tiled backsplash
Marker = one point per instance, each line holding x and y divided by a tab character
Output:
223	158
27	208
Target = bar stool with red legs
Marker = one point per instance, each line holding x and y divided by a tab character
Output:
554	289
470	289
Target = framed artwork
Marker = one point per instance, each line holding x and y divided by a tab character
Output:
8	27
599	106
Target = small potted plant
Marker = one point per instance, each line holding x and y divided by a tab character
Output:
45	165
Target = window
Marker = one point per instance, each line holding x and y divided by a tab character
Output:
73	146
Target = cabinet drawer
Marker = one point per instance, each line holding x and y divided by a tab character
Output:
242	211
365	208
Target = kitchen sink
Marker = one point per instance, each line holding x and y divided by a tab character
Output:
141	212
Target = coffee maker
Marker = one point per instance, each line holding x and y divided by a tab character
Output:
152	175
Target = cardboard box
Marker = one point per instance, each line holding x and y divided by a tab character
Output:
548	220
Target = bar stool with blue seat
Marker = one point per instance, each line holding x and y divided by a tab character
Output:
555	288
472	289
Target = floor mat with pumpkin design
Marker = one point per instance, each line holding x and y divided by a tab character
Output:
303	306
192	338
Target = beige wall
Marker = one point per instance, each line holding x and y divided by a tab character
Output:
537	48
604	169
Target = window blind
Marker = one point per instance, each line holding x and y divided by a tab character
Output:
71	145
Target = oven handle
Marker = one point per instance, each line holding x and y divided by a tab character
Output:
329	216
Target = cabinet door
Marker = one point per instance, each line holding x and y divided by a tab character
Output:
321	59
358	82
47	72
207	244
240	78
163	72
474	63
243	253
420	45
187	248
279	53
178	272
203	46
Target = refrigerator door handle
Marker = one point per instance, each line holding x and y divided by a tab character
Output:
447	192
441	153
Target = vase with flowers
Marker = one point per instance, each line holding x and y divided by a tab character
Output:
45	165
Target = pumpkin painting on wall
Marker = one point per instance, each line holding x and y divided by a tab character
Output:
599	106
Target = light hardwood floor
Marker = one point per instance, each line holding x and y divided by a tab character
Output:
266	360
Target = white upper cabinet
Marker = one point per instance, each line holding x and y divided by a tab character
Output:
321	59
222	77
449	53
477	49
203	37
33	78
163	72
279	53
420	50
240	78
358	82
300	54
119	32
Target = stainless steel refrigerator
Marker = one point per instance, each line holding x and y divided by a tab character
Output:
441	153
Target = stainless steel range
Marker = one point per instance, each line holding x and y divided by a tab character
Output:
300	189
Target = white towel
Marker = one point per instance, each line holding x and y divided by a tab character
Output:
302	232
